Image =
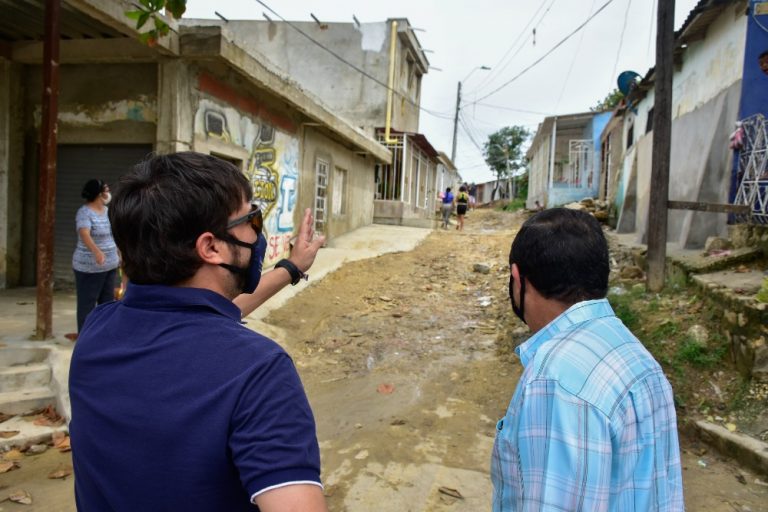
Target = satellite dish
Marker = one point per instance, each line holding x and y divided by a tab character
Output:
627	81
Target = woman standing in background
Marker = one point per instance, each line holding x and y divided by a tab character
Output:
95	259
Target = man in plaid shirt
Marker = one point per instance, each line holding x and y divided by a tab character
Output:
591	426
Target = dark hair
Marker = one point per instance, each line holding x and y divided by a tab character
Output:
162	206
762	55
564	255
463	188
448	189
92	189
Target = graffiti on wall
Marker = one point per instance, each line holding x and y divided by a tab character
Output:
271	166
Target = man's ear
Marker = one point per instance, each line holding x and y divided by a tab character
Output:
515	272
211	249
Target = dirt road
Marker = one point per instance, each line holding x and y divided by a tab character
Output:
406	362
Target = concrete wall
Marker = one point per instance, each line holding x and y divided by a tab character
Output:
706	94
712	64
699	171
277	152
538	177
350	94
356	208
97	104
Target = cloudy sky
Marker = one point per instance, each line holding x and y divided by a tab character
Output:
462	35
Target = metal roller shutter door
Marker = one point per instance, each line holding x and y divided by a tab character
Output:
76	165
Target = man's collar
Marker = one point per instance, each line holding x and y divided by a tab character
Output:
574	315
174	297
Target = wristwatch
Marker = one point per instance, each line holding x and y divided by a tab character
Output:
296	274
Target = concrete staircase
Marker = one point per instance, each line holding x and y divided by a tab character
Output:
25	386
25	378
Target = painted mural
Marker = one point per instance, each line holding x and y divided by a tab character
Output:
272	166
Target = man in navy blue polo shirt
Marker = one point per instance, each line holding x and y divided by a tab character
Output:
175	404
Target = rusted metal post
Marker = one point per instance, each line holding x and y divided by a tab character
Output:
662	136
47	189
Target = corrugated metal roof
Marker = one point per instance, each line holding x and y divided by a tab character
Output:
704	7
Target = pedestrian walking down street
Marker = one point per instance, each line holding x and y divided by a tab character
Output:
462	202
447	207
592	423
472	196
176	405
95	259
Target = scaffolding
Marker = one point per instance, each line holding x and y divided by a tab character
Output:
752	173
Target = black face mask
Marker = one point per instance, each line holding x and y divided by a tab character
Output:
519	311
249	276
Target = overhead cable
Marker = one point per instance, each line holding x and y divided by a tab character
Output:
621	42
512	46
547	54
499	70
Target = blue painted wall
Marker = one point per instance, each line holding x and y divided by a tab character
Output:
559	196
754	85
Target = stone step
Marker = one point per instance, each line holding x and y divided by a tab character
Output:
26	376
13	356
28	432
24	401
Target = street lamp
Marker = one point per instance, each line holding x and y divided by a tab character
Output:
458	107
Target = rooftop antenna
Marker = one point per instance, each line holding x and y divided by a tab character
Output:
220	16
357	21
267	17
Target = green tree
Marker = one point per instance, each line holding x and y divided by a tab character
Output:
503	152
609	102
149	10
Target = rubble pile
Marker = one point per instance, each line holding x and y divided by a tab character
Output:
596	207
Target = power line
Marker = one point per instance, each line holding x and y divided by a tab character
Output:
514	109
494	69
621	40
467	131
353	66
547	54
650	30
477	133
573	62
519	48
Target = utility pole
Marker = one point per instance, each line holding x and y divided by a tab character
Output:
456	123
662	137
458	108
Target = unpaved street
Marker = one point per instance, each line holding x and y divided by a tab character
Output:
435	333
406	362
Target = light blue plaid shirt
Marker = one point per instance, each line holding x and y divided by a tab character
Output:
591	426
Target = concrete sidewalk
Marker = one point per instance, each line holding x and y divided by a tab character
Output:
18	313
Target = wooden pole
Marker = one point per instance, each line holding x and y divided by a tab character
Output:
47	180
662	136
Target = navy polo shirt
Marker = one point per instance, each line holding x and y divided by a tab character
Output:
178	406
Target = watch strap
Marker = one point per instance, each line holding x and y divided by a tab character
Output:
296	274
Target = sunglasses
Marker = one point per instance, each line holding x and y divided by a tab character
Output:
254	217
